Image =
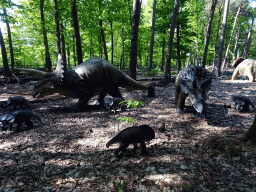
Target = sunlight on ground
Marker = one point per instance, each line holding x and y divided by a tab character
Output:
169	178
5	145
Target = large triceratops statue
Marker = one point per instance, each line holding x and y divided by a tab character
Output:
92	77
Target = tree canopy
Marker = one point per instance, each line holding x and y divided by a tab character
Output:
105	29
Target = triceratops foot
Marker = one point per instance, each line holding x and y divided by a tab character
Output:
180	111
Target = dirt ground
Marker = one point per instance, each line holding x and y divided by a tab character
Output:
68	151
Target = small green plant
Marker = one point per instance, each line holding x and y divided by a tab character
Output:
126	119
132	104
119	186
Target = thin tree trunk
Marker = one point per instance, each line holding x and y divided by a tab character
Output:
222	37
74	50
10	39
217	37
77	34
231	36
7	71
48	62
112	43
103	40
246	47
122	48
134	38
152	37
236	41
63	48
208	34
170	42
57	24
163	53
178	48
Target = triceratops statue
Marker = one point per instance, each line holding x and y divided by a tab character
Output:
92	77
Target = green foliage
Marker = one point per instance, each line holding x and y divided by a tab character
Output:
132	104
126	119
120	186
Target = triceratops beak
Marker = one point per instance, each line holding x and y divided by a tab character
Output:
199	107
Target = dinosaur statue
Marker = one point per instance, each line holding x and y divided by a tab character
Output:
242	103
8	118
92	77
244	67
114	104
18	101
193	82
132	135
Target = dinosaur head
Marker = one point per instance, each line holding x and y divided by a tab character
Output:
196	82
50	80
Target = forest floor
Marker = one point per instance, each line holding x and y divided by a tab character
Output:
68	151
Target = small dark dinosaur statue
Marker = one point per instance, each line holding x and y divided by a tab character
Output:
114	104
18	101
93	77
8	118
193	82
242	103
132	135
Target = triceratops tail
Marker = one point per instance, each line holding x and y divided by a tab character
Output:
38	119
151	91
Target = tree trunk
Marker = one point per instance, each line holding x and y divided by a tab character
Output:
112	42
170	42
122	49
74	50
134	38
77	34
231	36
103	40
10	38
178	48
152	37
48	62
236	41
246	46
163	53
224	23
7	71
208	34
63	48
217	37
57	24
251	133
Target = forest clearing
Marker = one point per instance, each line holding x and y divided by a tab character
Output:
68	152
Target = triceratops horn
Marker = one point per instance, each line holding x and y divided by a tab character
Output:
32	71
59	68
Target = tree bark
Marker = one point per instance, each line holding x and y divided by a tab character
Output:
178	47
7	71
63	48
57	24
223	31
103	40
48	62
10	38
231	36
170	42
251	133
134	38
152	37
208	34
77	34
246	46
236	41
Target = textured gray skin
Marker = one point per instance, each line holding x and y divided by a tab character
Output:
244	67
242	103
93	77
132	135
18	101
194	88
8	118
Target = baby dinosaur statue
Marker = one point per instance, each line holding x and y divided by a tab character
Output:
93	77
244	67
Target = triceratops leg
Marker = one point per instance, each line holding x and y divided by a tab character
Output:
115	92
181	102
81	104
